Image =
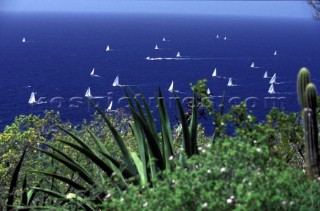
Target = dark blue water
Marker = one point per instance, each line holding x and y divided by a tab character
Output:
61	50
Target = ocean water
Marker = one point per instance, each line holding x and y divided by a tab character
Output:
61	50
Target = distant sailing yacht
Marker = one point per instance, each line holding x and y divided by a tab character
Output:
156	47
24	39
108	48
214	74
273	79
252	65
116	82
32	99
225	38
271	89
88	93
275	53
178	55
217	36
92	73
230	82
110	106
208	91
265	75
171	87
164	39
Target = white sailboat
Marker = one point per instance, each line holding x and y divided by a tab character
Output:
214	74
88	93
273	79
171	87
156	47
164	39
24	39
208	91
230	82
108	48
225	38
116	82
32	99
110	106
265	74
271	89
92	73
252	65
178	54
275	53
217	36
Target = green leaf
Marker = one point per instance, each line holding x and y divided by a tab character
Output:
194	126
140	167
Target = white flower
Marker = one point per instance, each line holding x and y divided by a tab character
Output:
259	150
145	204
208	145
171	157
204	205
232	197
291	203
222	169
108	196
122	199
318	178
197	166
208	171
249	183
200	148
284	203
255	141
229	201
173	181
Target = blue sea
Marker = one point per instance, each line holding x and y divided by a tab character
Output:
61	50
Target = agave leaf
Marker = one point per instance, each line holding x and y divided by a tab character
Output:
165	130
154	147
117	137
193	126
69	162
98	142
24	196
187	145
76	138
63	179
32	207
140	167
14	179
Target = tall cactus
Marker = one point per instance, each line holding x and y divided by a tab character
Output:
307	96
302	82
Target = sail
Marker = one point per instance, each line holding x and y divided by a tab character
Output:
110	106
171	87
116	81
271	90
156	47
178	54
88	93
217	36
214	74
252	64
208	91
108	48
32	99
24	39
275	53
92	72
273	79
265	74
230	82
163	39
225	38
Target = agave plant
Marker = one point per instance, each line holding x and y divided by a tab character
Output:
154	155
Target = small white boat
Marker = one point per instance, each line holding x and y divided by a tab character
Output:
148	58
265	74
214	74
116	81
92	73
225	38
217	36
275	53
108	48
24	39
271	89
32	99
208	91
164	39
171	87
110	106
230	82
252	65
88	93
156	47
273	79
178	55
